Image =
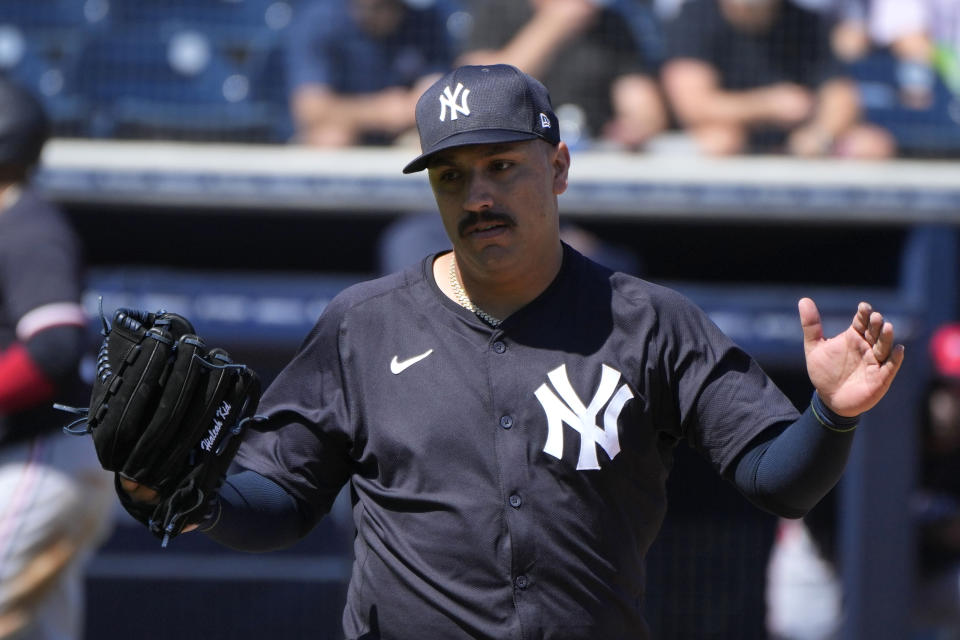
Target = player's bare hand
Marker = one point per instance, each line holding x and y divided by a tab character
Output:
853	370
143	493
139	492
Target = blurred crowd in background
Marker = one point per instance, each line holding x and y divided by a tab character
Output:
853	78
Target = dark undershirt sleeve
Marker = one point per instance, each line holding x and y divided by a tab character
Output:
789	468
254	514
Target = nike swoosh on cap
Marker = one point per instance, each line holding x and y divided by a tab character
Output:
397	366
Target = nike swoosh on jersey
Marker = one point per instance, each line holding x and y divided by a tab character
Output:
397	366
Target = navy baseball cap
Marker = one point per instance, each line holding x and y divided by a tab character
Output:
482	105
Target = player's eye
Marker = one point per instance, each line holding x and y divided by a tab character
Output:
501	165
449	175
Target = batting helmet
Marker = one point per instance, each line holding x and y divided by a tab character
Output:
24	126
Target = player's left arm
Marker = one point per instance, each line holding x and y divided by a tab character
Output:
788	469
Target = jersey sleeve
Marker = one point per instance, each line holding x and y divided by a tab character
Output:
716	394
303	446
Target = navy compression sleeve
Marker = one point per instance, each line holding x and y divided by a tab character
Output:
254	514
789	469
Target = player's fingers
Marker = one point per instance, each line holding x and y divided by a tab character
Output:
810	321
895	359
874	328
884	343
861	319
137	491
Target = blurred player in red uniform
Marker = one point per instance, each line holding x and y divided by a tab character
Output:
54	498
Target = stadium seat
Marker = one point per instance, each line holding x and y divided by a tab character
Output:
237	21
929	132
253	13
56	29
57	14
174	84
268	86
46	70
241	30
39	43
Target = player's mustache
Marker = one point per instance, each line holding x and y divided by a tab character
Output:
488	217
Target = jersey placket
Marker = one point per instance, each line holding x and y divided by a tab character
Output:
511	445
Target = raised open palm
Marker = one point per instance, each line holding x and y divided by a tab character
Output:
853	370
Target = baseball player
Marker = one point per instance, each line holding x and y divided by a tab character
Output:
54	498
506	412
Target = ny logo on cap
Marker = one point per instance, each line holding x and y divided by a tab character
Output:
448	100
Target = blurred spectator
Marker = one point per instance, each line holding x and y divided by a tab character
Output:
602	87
356	67
667	9
760	76
849	35
54	498
924	37
905	58
922	30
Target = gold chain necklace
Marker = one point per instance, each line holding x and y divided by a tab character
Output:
465	301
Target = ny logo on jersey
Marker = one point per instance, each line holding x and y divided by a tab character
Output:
569	409
448	100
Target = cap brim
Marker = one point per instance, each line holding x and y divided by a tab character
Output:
481	136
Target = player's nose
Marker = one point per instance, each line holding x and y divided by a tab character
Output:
478	193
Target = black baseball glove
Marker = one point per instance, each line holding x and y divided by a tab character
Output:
166	412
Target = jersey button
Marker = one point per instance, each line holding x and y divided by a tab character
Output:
521	582
506	422
516	501
499	347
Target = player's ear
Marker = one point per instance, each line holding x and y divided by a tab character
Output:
561	167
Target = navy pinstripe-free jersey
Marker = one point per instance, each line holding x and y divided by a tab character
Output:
507	482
